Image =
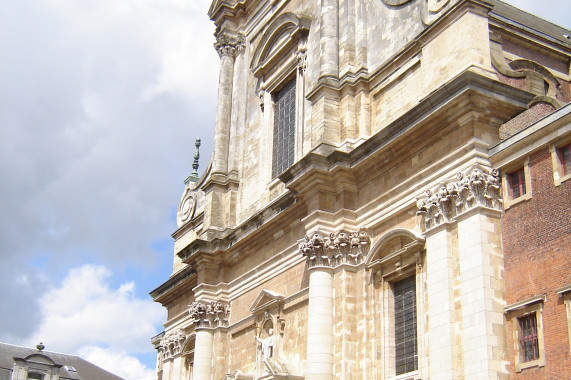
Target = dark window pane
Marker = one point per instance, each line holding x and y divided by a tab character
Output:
405	326
284	128
528	341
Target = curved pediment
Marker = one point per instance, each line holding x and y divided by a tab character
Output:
279	38
40	358
394	251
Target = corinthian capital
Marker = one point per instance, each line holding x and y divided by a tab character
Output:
477	188
339	247
171	344
210	314
229	46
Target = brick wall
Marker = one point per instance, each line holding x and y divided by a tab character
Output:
537	249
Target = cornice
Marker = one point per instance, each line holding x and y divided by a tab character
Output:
219	241
468	83
161	293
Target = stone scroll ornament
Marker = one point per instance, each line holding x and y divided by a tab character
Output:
171	344
452	199
338	248
210	314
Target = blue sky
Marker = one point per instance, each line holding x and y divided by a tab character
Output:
100	104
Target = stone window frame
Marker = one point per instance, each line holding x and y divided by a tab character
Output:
279	58
188	355
390	266
514	313
507	195
559	175
565	293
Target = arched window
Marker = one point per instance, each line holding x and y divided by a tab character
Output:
395	260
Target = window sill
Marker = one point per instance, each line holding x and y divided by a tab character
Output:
511	202
533	363
560	180
414	375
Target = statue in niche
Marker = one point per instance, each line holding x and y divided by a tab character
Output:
267	344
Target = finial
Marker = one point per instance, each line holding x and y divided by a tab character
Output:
193	177
40	346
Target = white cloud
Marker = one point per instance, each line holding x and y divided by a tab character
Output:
100	105
106	325
118	362
86	311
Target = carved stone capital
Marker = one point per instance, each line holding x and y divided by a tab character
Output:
210	314
171	344
474	189
338	248
229	46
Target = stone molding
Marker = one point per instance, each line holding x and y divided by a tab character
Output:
450	200
170	345
338	248
209	314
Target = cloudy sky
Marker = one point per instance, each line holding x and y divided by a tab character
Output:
100	104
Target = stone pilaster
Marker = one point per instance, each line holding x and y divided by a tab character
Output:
322	255
482	287
472	206
207	317
441	274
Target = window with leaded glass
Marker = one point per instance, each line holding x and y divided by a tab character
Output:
284	128
406	354
528	341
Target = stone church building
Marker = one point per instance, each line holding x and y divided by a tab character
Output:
388	197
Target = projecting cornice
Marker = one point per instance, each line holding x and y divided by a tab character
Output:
325	158
221	9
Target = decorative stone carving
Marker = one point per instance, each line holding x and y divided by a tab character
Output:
229	46
302	58
186	207
210	314
475	189
338	248
171	344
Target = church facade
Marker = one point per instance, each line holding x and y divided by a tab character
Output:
361	216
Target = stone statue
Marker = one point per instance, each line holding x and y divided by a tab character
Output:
267	344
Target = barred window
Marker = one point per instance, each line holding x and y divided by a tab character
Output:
284	128
565	158
528	340
405	326
517	183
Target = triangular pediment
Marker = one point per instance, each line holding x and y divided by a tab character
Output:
265	299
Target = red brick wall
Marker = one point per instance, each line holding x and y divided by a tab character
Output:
537	249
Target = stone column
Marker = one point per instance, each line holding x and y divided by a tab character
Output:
320	344
203	354
329	39
322	255
226	48
320	324
208	316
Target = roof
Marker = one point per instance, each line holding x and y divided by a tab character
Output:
84	370
530	21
